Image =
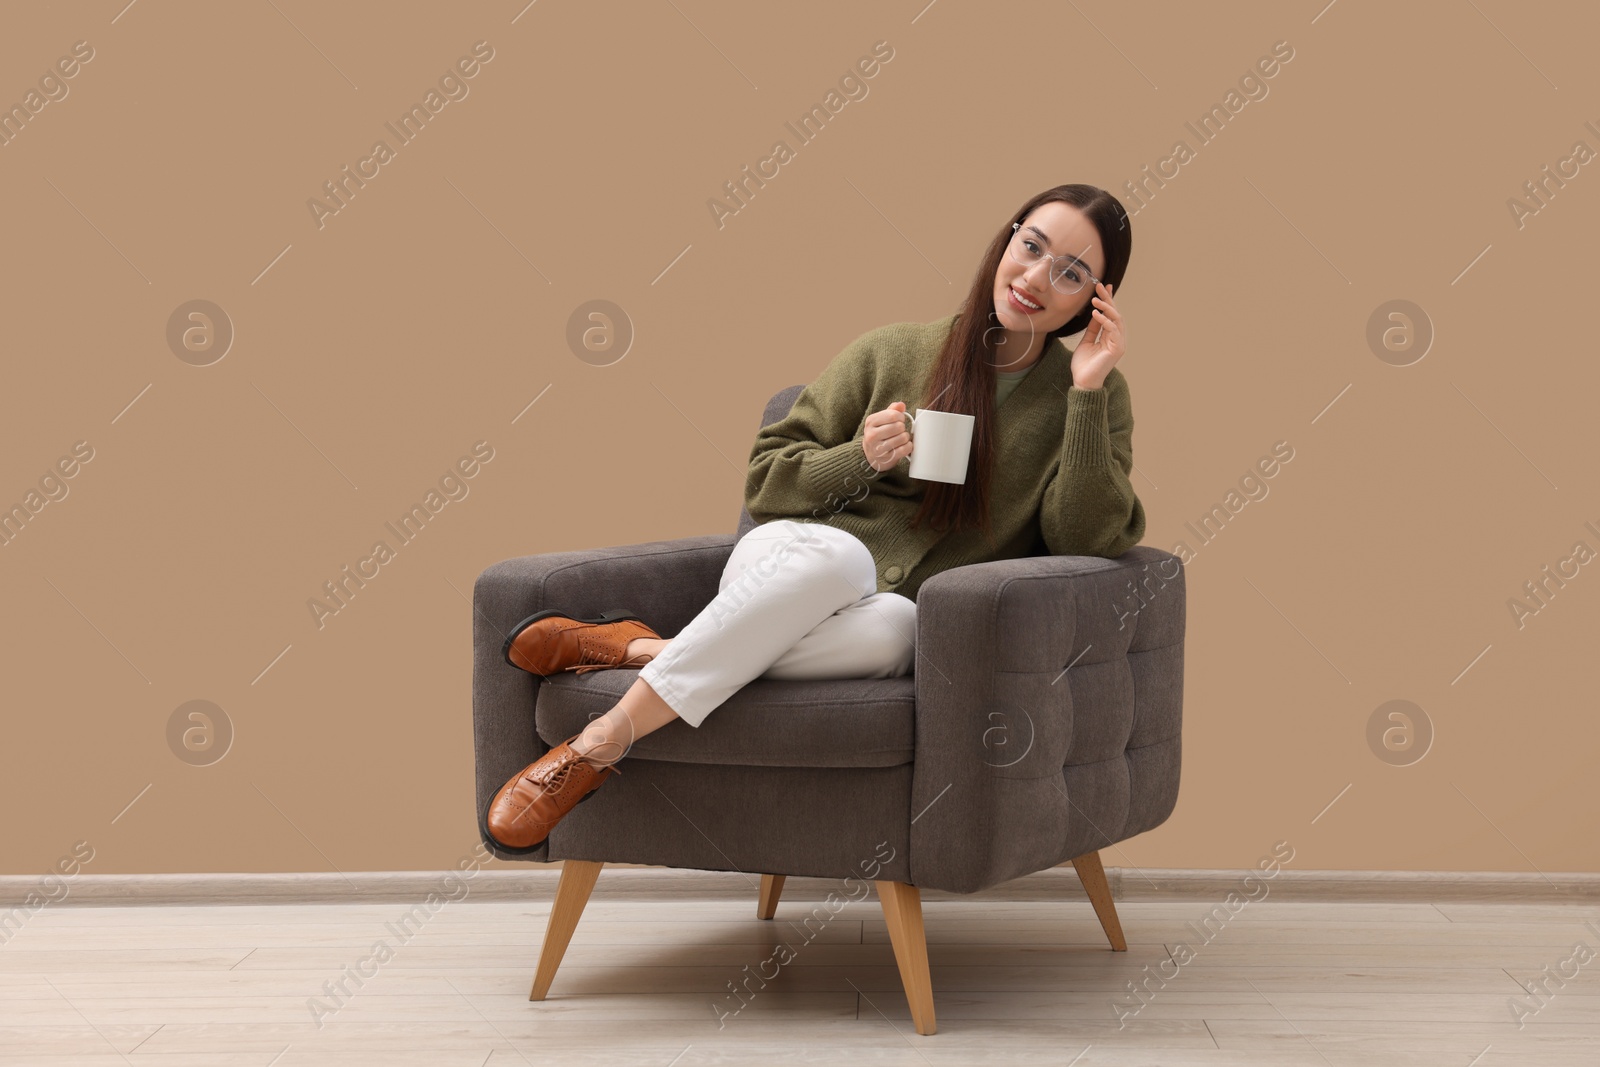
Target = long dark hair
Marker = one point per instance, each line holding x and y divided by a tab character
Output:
963	375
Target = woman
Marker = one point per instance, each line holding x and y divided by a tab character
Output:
825	584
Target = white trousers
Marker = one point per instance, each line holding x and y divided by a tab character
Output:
797	600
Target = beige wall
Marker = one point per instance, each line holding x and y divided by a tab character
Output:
371	352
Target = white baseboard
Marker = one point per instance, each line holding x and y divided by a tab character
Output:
537	882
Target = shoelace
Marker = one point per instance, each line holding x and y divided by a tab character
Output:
554	779
550	780
593	659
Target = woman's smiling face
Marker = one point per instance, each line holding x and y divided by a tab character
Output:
1053	229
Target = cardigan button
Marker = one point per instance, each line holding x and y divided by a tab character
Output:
893	574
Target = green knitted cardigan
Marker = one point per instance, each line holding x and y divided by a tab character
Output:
1060	483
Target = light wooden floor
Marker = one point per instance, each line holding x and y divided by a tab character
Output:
1281	984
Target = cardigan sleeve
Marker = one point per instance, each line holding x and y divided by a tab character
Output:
1089	507
812	461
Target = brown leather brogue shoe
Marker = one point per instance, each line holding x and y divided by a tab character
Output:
528	807
553	641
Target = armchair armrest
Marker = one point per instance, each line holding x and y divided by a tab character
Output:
1049	694
666	583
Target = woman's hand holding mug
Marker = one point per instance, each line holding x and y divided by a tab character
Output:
886	440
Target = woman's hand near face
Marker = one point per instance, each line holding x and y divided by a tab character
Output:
1103	342
886	440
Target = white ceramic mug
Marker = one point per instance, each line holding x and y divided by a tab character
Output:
942	442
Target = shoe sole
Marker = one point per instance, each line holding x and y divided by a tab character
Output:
614	615
490	839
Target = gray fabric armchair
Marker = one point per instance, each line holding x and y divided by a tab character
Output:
1041	724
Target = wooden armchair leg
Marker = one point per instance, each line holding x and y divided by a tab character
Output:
902	910
1093	877
572	893
771	890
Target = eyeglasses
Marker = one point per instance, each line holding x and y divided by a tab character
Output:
1067	273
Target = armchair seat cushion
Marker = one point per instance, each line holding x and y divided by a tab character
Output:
857	722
